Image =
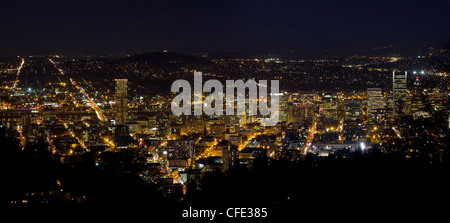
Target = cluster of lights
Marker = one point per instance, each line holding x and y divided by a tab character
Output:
421	72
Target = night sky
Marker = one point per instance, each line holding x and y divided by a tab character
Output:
75	27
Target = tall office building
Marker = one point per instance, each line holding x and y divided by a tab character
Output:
284	108
301	113
330	108
400	93
353	109
375	102
415	104
230	157
121	101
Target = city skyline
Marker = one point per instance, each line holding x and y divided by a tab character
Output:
225	111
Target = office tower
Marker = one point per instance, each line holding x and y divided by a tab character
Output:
284	108
163	125
230	157
181	149
121	101
301	113
415	105
374	102
330	108
120	130
353	110
400	93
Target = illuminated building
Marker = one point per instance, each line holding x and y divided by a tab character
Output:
180	149
121	101
330	108
301	113
400	93
284	110
415	105
230	157
353	109
374	102
163	125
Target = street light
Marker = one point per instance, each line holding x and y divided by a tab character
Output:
362	145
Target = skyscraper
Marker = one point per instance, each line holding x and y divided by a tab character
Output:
330	107
374	102
400	93
230	157
415	104
121	101
284	109
301	113
353	109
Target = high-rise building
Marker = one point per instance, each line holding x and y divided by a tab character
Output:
415	104
230	157
121	101
163	125
400	93
284	108
374	102
180	149
301	113
329	108
353	110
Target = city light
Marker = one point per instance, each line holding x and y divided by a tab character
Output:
266	106
362	146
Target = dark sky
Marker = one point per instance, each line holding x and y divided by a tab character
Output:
72	27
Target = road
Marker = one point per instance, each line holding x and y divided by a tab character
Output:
208	151
17	75
310	137
98	111
93	105
244	145
167	171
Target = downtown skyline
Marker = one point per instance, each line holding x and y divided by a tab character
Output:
225	111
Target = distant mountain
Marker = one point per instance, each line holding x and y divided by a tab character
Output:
349	48
337	49
167	58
